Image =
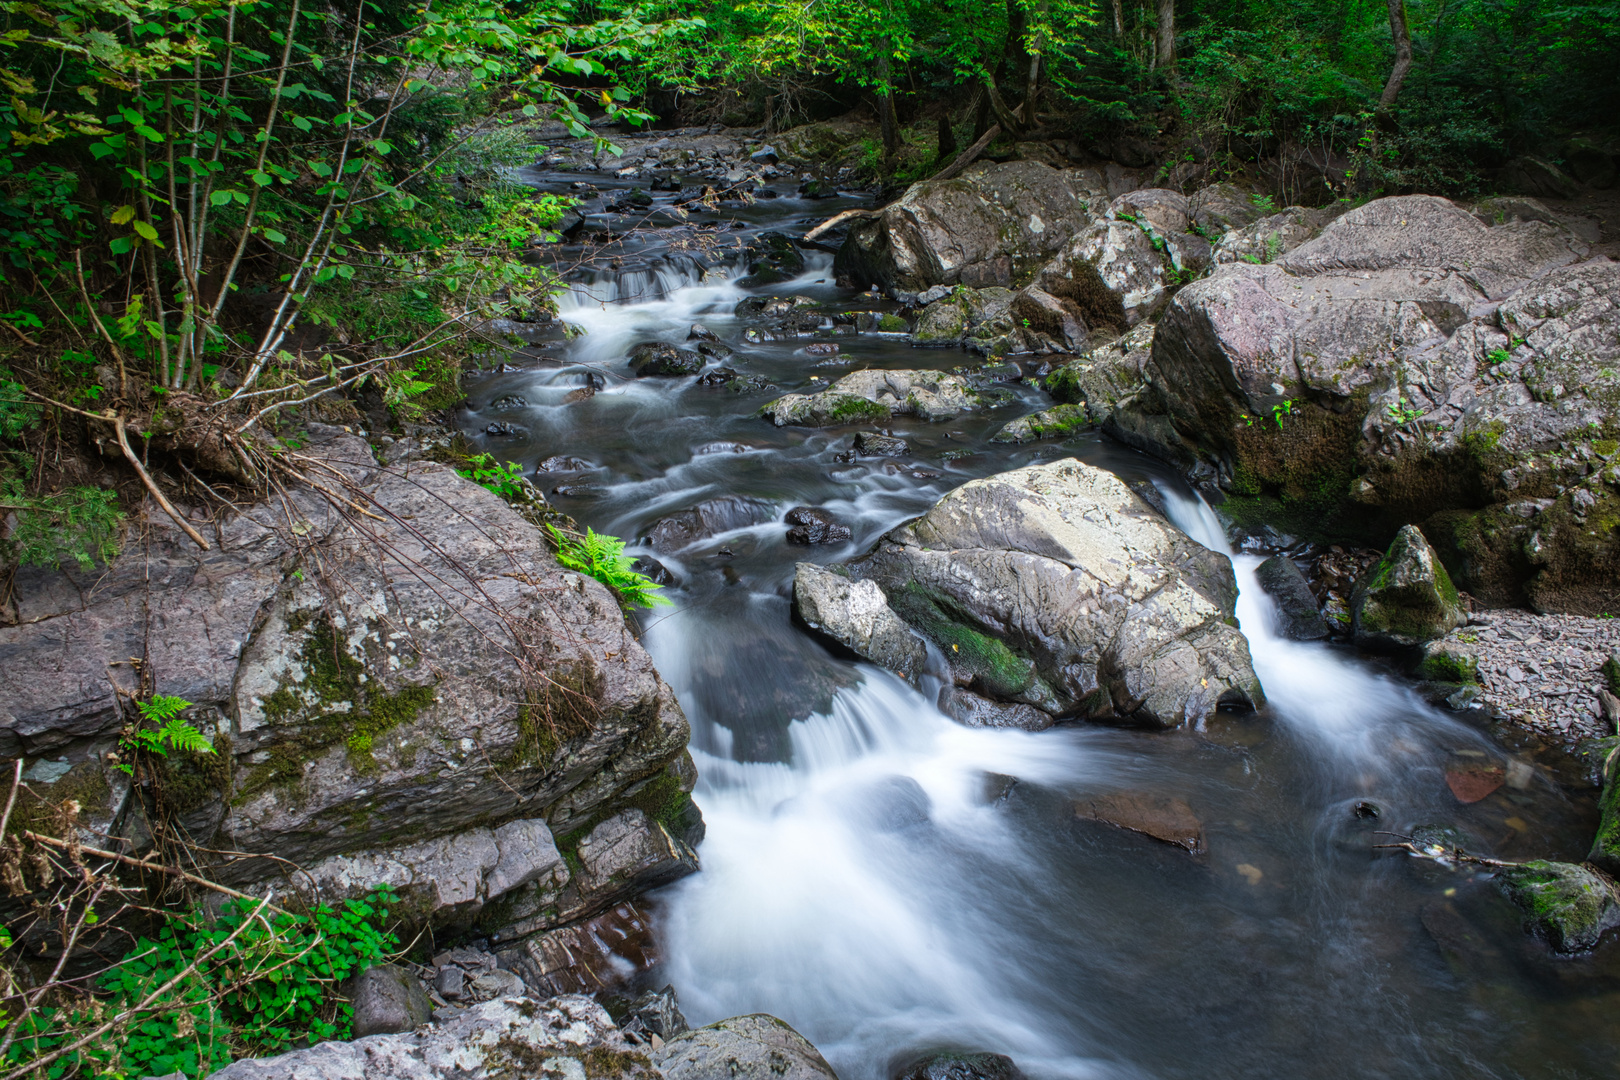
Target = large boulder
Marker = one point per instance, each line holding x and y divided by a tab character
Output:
1408	599
1565	904
423	699
499	1038
1057	586
1298	616
1410	364
989	226
757	1047
1101	378
871	394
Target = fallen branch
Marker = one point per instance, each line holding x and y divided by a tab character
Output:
839	219
967	157
142	864
1437	854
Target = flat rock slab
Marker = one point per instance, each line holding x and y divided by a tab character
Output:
757	1047
1162	817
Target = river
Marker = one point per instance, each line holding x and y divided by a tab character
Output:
891	882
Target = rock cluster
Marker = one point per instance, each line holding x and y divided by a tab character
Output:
1053	586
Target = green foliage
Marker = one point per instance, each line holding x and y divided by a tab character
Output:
1498	356
80	523
171	733
504	480
1403	413
603	558
1286	408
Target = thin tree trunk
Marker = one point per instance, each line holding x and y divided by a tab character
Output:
1165	45
887	123
1119	20
947	137
981	112
1403	54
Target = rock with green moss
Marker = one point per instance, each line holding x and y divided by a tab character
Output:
1057	422
1104	376
871	395
756	1047
1058	587
1605	851
1565	904
1413	364
944	322
1408	599
391	692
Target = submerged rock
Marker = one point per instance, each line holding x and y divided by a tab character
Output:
757	1047
1298	617
1409	599
686	527
813	525
1163	817
950	1065
856	614
1566	905
876	395
659	358
876	444
1056	586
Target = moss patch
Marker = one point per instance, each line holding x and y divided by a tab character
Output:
850	409
1449	667
333	704
992	665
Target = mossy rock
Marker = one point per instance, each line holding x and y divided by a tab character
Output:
1409	598
1566	905
1057	422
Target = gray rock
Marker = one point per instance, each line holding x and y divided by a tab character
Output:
1533	176
1104	376
973	710
1060	421
499	1038
856	614
874	395
1266	239
656	1012
876	444
757	1047
1409	598
1565	904
1220	208
365	714
950	1065
495	983
1298	617
1056	586
387	999
978	230
659	358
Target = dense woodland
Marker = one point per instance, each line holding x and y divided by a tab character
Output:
218	216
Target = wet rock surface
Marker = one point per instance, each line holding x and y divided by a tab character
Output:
1165	818
1408	599
856	615
875	395
958	1066
1057	587
1299	617
1567	905
812	525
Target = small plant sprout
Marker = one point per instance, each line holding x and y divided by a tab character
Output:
1286	408
1403	413
1263	203
1498	356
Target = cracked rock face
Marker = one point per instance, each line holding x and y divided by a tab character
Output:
358	680
1410	364
979	229
1057	587
504	1037
757	1047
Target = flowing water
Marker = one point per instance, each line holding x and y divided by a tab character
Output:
891	882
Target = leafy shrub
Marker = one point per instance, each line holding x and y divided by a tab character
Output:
271	987
504	480
603	558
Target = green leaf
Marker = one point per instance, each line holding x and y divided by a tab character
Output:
146	231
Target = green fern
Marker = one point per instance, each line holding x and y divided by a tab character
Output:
603	558
172	734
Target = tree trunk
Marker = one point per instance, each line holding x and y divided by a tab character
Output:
889	126
1165	42
981	112
1403	54
1119	20
947	137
